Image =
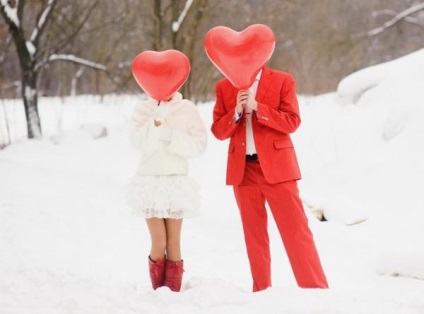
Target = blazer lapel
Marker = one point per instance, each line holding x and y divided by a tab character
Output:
264	83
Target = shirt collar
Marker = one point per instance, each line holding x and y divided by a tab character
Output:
259	75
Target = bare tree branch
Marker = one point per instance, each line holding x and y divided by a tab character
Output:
76	29
6	46
408	19
73	59
176	24
84	62
42	21
396	19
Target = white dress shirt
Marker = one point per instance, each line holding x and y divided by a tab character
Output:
250	142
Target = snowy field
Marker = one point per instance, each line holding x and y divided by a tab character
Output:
69	243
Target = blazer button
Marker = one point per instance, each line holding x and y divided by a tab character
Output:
243	144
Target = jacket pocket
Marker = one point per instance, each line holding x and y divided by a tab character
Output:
283	144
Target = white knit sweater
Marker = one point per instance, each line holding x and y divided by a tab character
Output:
166	148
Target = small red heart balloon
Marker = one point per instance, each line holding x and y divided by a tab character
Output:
239	56
161	74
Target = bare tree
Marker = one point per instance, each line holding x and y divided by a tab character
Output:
33	52
26	49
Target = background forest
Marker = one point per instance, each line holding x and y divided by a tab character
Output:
319	42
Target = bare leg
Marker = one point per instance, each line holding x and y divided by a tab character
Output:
173	239
157	229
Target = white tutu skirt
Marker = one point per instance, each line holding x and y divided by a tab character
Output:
169	196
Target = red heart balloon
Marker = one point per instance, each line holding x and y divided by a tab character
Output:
161	74
239	56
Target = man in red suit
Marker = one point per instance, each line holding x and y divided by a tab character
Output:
262	167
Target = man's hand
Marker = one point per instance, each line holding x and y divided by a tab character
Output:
252	104
246	101
242	97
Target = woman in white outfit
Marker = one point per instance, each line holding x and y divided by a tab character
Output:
166	133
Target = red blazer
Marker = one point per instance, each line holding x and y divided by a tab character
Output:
277	116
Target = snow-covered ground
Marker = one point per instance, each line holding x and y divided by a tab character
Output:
69	243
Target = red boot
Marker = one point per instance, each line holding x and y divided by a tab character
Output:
174	275
157	272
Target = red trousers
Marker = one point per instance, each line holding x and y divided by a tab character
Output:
287	209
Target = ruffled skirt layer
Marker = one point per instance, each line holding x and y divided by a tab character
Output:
171	196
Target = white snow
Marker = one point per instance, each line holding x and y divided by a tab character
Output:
177	24
69	243
392	93
11	13
31	48
352	87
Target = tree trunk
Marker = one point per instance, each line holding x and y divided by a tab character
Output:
4	139
30	98
157	20
26	50
29	85
29	75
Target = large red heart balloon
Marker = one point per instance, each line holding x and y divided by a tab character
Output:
161	74
239	56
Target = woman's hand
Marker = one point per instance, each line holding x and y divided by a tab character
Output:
160	113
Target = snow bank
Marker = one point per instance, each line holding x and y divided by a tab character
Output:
352	87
